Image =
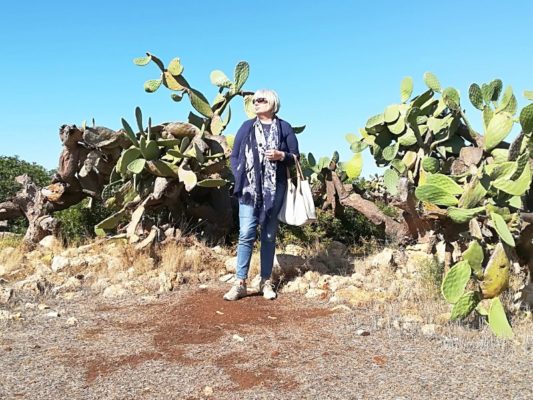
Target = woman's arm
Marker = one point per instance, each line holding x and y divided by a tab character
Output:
234	157
292	145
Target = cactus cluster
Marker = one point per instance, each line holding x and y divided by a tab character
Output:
162	160
474	182
210	118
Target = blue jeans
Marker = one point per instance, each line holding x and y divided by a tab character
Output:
247	234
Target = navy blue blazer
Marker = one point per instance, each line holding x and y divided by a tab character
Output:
287	143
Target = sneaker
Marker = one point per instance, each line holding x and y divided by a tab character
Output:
237	291
267	289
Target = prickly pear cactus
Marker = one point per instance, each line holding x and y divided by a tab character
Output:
175	165
474	182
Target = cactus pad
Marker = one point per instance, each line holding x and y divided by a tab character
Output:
498	322
454	283
432	82
465	305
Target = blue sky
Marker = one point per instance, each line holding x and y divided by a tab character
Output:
333	63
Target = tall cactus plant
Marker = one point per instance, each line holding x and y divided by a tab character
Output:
470	187
171	163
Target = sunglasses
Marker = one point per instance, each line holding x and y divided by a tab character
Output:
260	100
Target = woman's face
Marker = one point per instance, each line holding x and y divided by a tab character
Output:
262	107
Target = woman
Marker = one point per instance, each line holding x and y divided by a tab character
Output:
263	149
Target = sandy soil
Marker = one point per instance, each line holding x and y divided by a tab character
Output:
190	344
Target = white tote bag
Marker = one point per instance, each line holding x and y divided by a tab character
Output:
298	206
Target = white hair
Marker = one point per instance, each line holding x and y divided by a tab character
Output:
271	96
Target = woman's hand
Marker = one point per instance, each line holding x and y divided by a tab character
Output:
274	155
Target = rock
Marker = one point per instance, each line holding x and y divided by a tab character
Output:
208	391
312	277
5	295
357	296
429	330
362	332
226	278
52	314
100	284
316	293
357	277
231	264
384	259
299	285
317	266
35	284
59	263
50	242
440	252
6	315
71	284
116	290
338	282
6	252
165	281
238	338
287	265
412	318
295	250
336	249
42	307
72	321
219	250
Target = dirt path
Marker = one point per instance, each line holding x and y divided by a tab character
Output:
192	345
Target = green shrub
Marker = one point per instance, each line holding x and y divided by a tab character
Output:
350	229
77	222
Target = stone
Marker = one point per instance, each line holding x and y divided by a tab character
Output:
49	242
116	290
231	264
362	332
429	330
72	321
6	315
52	314
357	296
71	284
357	277
317	266
316	293
100	284
165	281
238	338
384	259
295	250
219	250
43	306
336	249
226	278
412	318
59	263
286	264
299	285
5	295
312	276
6	252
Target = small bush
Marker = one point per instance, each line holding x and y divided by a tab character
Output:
350	229
77	222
